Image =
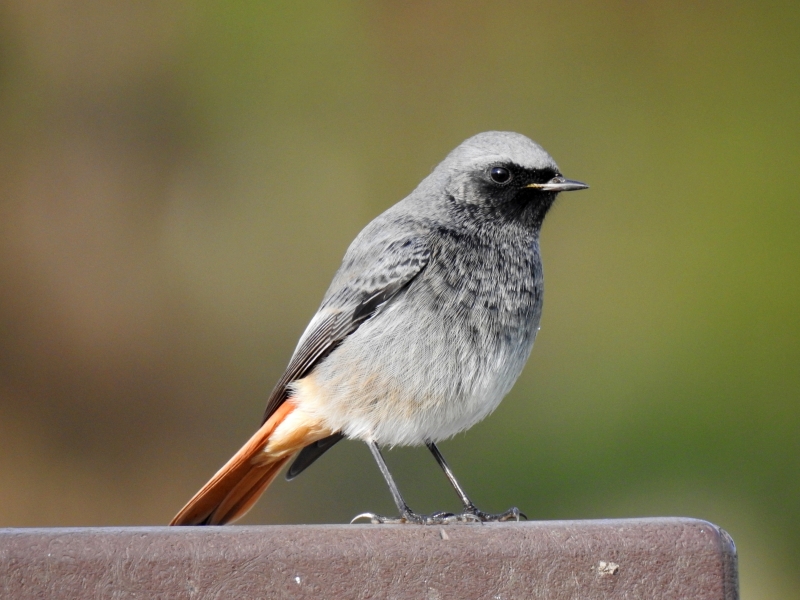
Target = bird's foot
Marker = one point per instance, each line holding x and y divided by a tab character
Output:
437	518
512	514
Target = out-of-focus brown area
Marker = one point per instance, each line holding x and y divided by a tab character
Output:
179	181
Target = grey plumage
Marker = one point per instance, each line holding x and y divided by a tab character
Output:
425	327
434	311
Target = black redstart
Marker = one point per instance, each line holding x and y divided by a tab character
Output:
425	327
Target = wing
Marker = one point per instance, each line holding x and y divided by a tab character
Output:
375	269
311	453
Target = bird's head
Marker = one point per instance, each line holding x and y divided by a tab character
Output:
500	174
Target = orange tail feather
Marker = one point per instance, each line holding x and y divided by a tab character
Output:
236	486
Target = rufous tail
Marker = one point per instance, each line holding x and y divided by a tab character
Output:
237	485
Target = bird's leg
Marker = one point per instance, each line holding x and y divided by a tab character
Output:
406	514
512	514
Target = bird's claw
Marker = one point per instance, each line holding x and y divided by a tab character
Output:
438	518
512	514
471	515
373	518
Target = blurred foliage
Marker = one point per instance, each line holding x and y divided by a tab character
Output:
178	182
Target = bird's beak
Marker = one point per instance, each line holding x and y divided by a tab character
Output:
559	184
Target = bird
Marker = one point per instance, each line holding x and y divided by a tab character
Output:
424	329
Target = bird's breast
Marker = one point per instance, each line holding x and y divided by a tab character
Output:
442	354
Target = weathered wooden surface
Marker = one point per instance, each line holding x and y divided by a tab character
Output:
636	558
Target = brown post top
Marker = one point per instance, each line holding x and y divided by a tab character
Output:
632	558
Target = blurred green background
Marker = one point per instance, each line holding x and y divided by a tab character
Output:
179	181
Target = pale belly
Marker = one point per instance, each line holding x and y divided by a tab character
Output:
411	375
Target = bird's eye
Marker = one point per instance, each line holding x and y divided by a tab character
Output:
500	175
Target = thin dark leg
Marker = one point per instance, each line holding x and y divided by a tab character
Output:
406	514
402	507
511	514
468	505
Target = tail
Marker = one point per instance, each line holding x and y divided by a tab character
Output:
236	486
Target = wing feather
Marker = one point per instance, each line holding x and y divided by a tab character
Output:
354	296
